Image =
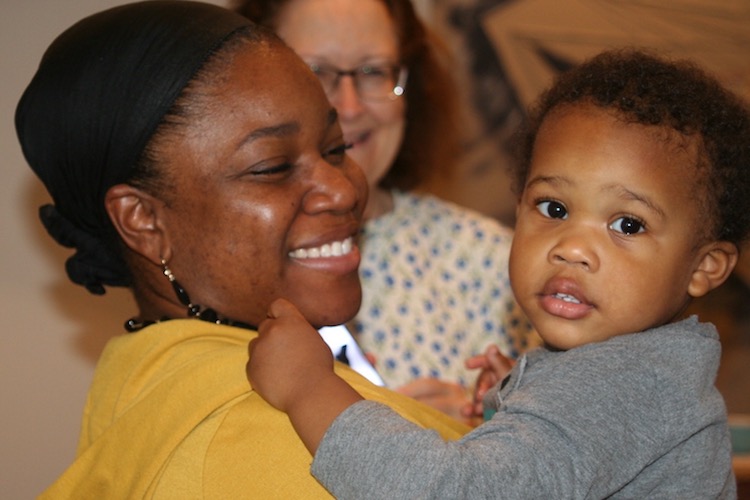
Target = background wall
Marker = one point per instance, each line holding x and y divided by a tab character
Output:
53	331
507	51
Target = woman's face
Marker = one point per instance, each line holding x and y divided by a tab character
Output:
265	203
347	34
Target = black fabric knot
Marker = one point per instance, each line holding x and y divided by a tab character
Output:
93	265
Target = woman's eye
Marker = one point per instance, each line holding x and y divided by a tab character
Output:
337	154
272	169
374	71
552	209
628	225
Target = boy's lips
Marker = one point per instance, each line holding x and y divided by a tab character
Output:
564	298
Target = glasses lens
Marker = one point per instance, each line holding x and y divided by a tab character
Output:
377	82
328	77
373	82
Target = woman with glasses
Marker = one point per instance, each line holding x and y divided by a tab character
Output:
434	275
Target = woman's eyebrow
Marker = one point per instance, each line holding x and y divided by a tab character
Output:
285	129
282	129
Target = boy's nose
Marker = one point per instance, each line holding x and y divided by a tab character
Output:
575	249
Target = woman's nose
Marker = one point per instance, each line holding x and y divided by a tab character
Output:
575	248
345	98
335	188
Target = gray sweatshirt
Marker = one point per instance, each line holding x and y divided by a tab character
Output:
636	416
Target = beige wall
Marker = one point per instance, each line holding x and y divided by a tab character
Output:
51	330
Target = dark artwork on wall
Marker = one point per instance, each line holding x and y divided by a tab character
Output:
507	51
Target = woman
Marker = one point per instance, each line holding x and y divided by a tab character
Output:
434	276
192	156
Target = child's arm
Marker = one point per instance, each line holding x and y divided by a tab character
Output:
291	367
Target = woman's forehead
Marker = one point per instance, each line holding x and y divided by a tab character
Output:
266	92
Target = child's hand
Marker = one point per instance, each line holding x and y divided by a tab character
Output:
495	367
288	356
448	397
291	367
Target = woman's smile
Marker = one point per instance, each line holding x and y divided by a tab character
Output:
335	257
334	249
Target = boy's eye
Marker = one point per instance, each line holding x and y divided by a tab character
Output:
552	209
627	225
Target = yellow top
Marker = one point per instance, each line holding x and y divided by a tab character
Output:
170	414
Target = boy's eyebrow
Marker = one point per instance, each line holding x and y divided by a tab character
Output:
619	189
548	179
629	194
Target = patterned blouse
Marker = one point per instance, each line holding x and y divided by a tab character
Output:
436	291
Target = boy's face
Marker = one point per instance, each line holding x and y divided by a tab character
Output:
608	228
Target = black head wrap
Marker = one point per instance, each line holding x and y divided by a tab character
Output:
101	90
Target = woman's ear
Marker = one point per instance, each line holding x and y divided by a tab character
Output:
137	217
716	264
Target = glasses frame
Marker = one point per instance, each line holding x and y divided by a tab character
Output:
397	91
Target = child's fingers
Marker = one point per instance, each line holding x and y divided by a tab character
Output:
499	364
371	358
281	307
476	362
485	382
250	347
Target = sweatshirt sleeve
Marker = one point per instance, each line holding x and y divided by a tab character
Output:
626	416
396	459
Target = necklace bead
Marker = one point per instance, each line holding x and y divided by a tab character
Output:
133	325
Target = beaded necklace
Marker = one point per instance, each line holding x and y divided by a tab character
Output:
193	310
133	325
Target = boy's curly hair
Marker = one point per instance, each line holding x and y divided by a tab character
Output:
642	88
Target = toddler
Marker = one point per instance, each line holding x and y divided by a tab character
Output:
634	198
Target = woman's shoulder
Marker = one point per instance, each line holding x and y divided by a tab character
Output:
166	354
171	342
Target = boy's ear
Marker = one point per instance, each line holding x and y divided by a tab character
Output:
137	217
717	263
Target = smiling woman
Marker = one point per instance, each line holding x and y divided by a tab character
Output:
434	275
216	183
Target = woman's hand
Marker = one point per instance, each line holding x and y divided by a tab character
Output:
495	367
291	367
448	397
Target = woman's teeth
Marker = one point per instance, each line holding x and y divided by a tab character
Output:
567	298
335	249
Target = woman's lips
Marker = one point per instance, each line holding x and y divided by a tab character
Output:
357	139
333	249
335	257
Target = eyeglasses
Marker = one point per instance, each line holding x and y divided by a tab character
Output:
373	82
